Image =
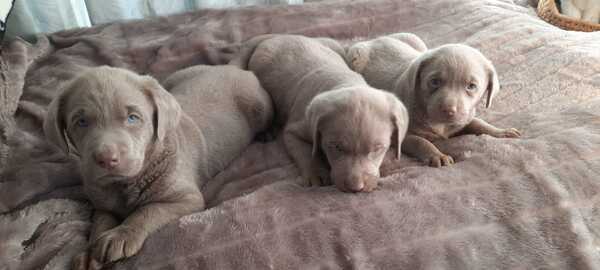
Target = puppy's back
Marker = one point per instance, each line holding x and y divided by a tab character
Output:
227	104
382	60
293	69
203	90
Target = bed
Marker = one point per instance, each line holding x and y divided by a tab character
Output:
529	203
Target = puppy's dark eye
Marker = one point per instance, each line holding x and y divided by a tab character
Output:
435	83
373	155
472	87
82	122
336	147
133	118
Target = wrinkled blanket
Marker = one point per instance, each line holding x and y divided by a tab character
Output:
529	203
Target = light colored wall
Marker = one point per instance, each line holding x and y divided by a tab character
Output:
31	17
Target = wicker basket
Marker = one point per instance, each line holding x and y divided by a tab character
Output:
548	11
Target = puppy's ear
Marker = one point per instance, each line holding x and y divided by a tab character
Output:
167	109
399	117
493	86
318	108
357	56
407	84
54	123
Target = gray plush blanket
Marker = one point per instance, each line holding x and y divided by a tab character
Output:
529	203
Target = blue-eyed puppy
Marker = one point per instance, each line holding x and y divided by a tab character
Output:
144	153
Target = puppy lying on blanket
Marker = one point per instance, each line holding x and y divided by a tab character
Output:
440	87
144	153
335	125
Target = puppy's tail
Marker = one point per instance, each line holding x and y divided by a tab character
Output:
247	50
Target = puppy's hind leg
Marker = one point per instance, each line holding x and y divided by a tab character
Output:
333	45
412	40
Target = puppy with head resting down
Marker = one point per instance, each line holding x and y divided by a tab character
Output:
440	88
144	153
336	126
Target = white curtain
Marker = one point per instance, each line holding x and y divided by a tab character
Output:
30	17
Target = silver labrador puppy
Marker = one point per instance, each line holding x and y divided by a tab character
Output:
335	125
144	152
440	87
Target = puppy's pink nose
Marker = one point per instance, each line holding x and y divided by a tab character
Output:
107	158
450	110
356	186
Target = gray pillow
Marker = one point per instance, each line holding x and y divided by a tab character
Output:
5	8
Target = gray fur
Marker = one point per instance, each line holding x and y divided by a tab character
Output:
440	87
142	174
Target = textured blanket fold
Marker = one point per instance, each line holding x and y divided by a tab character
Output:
529	203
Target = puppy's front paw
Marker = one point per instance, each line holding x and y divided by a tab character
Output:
118	243
440	160
318	179
82	261
507	133
313	180
318	175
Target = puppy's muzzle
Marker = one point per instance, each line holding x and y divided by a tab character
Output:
450	111
107	156
361	182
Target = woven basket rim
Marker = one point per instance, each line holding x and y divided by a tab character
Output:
548	10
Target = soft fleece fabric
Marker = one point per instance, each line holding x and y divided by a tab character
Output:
529	203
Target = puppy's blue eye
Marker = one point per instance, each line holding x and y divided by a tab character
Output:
435	83
82	122
472	87
132	118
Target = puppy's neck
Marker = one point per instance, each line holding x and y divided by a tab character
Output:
123	195
422	125
159	166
